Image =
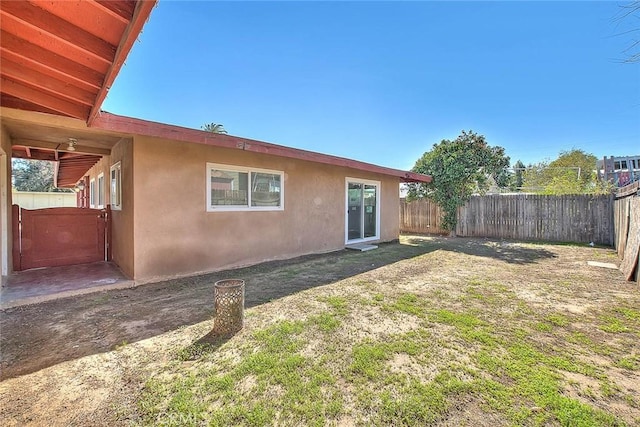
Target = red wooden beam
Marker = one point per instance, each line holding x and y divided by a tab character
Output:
81	149
124	9
45	22
79	163
50	84
7	100
34	35
28	54
88	16
131	126
140	16
27	153
45	100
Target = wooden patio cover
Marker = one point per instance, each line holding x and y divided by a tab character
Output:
61	57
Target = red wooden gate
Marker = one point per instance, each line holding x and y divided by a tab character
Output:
57	236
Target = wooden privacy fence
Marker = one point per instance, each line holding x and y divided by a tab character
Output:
622	212
421	216
627	229
572	218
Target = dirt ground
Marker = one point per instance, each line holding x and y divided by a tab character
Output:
38	336
84	360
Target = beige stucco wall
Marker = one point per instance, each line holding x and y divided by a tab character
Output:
390	210
122	221
122	244
6	264
164	230
174	234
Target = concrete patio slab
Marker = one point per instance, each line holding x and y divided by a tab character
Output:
45	284
602	264
362	247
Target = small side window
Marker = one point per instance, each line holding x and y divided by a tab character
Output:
92	193
100	190
116	186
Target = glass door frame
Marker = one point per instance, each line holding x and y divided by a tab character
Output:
363	182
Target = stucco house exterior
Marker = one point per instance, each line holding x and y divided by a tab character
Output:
184	201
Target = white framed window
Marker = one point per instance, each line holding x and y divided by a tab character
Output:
100	190
92	193
116	186
238	188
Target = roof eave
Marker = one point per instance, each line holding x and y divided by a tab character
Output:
132	126
416	178
140	17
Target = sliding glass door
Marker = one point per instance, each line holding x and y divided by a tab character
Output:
363	210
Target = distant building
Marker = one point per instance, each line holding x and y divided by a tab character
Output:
620	171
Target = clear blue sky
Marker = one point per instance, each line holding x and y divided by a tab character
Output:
382	82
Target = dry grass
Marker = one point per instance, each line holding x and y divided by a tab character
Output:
459	332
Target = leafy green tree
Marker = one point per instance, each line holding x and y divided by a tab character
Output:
214	128
535	177
563	181
573	172
575	158
32	175
504	179
518	176
459	168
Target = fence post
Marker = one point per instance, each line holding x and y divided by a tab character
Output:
15	231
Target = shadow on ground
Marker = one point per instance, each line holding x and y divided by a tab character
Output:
509	252
38	336
209	343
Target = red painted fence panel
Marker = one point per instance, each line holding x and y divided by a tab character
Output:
61	236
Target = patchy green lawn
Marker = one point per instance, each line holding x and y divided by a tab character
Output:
461	332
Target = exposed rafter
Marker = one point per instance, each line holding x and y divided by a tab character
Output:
140	16
22	142
61	57
72	167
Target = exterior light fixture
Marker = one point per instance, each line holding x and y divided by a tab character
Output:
80	185
72	144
